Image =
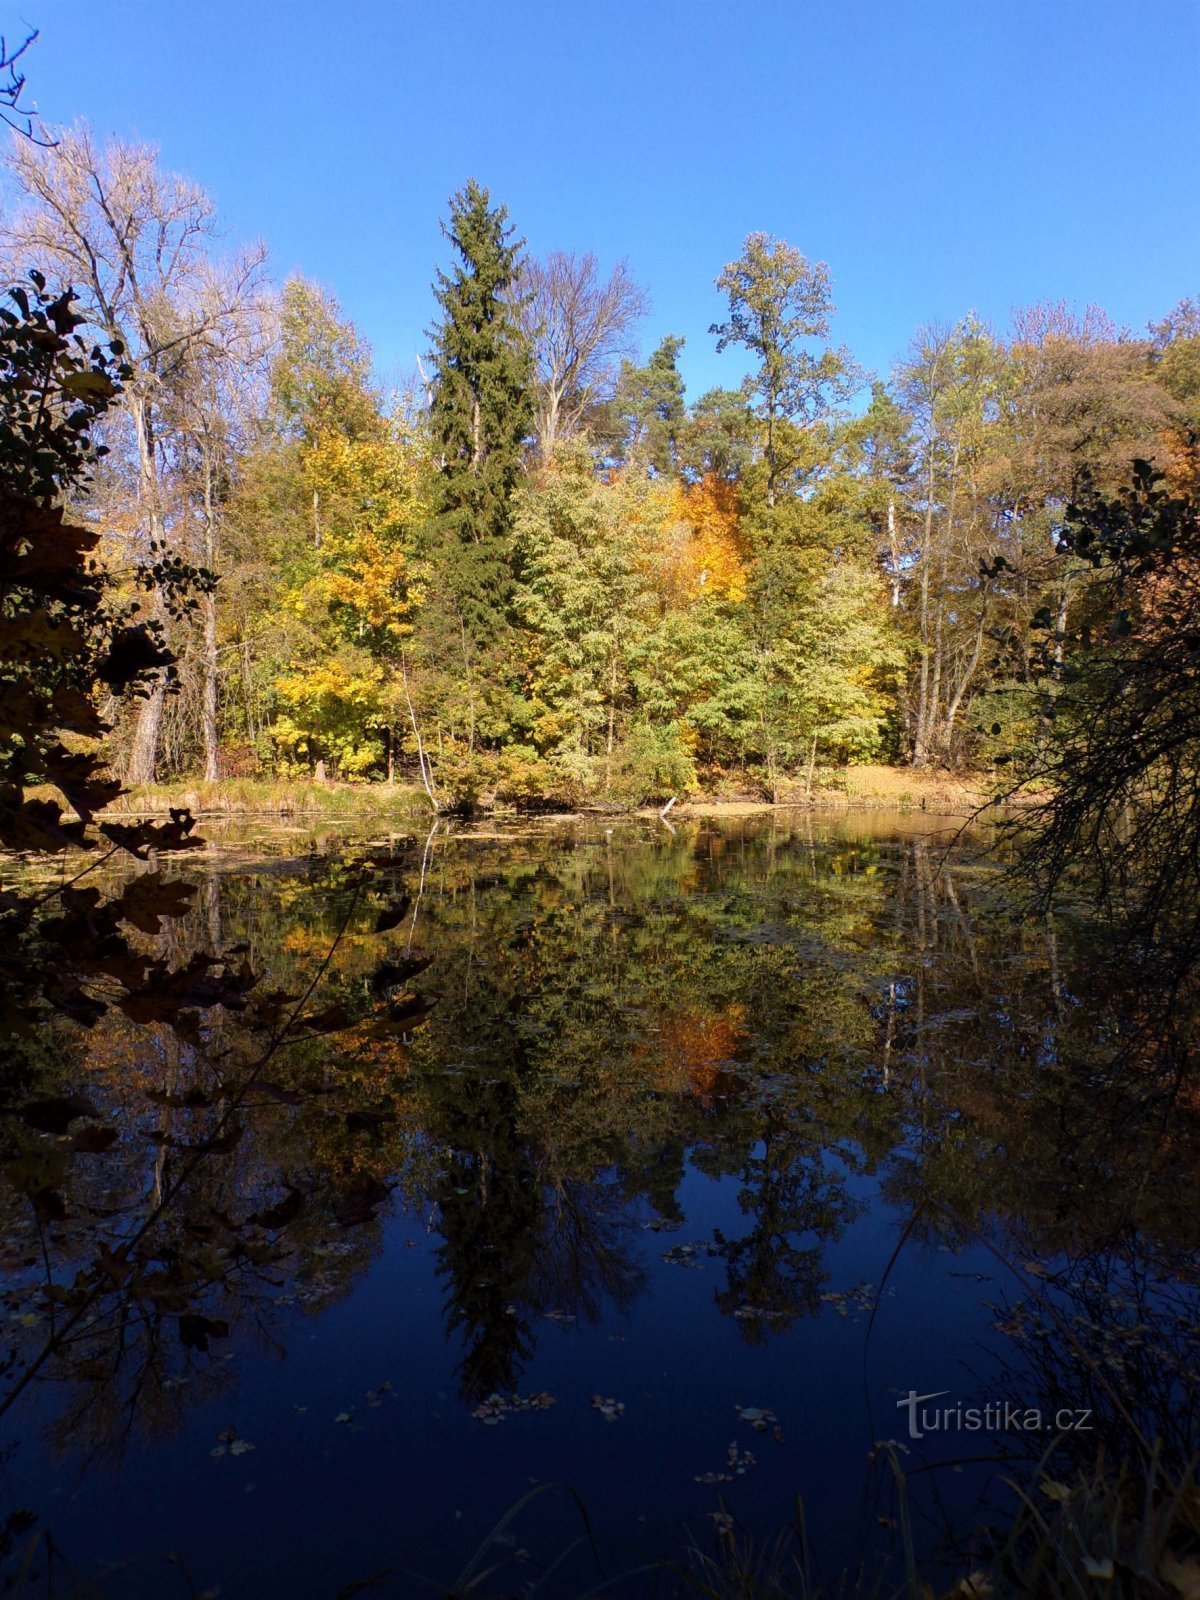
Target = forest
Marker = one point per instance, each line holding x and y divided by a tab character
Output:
535	570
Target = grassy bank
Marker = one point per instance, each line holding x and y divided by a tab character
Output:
251	797
833	789
878	788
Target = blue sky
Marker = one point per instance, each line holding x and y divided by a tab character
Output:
940	155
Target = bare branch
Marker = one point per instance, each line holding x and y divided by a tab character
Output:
579	326
12	85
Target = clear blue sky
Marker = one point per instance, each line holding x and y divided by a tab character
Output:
940	155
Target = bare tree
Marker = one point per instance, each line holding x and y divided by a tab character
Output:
216	392
579	326
135	243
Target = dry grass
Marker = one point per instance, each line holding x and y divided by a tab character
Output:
864	788
255	798
902	787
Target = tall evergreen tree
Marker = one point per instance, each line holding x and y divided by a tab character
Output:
481	409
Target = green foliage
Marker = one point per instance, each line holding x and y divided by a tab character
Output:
584	601
653	763
778	302
845	664
697	670
481	407
321	374
336	494
645	419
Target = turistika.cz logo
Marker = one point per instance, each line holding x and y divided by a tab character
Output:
996	1416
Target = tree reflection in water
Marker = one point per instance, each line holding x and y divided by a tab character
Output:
802	1013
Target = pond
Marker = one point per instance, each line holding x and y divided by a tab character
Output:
617	1188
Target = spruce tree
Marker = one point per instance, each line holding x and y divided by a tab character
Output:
481	408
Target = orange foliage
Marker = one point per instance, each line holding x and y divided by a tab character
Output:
692	540
717	551
1183	463
694	1053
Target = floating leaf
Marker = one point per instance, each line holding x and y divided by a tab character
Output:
611	1410
497	1406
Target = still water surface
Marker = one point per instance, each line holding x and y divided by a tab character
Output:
712	1145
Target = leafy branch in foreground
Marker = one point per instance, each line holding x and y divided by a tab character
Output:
1119	773
62	637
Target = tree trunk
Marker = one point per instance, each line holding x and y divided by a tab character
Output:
612	714
426	774
965	681
143	756
771	450
921	735
248	693
208	713
935	674
550	428
208	710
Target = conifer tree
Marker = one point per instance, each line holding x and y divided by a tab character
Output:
481	408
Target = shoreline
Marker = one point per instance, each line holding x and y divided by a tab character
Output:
841	790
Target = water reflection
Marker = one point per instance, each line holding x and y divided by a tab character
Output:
831	1020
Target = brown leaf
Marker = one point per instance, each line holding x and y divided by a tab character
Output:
49	1205
193	1099
331	1020
147	901
93	1141
56	1114
391	916
276	1091
278	1216
391	974
112	1265
39	825
195	1330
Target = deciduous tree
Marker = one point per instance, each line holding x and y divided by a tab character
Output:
779	302
136	243
578	325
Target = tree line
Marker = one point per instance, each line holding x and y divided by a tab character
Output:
534	569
